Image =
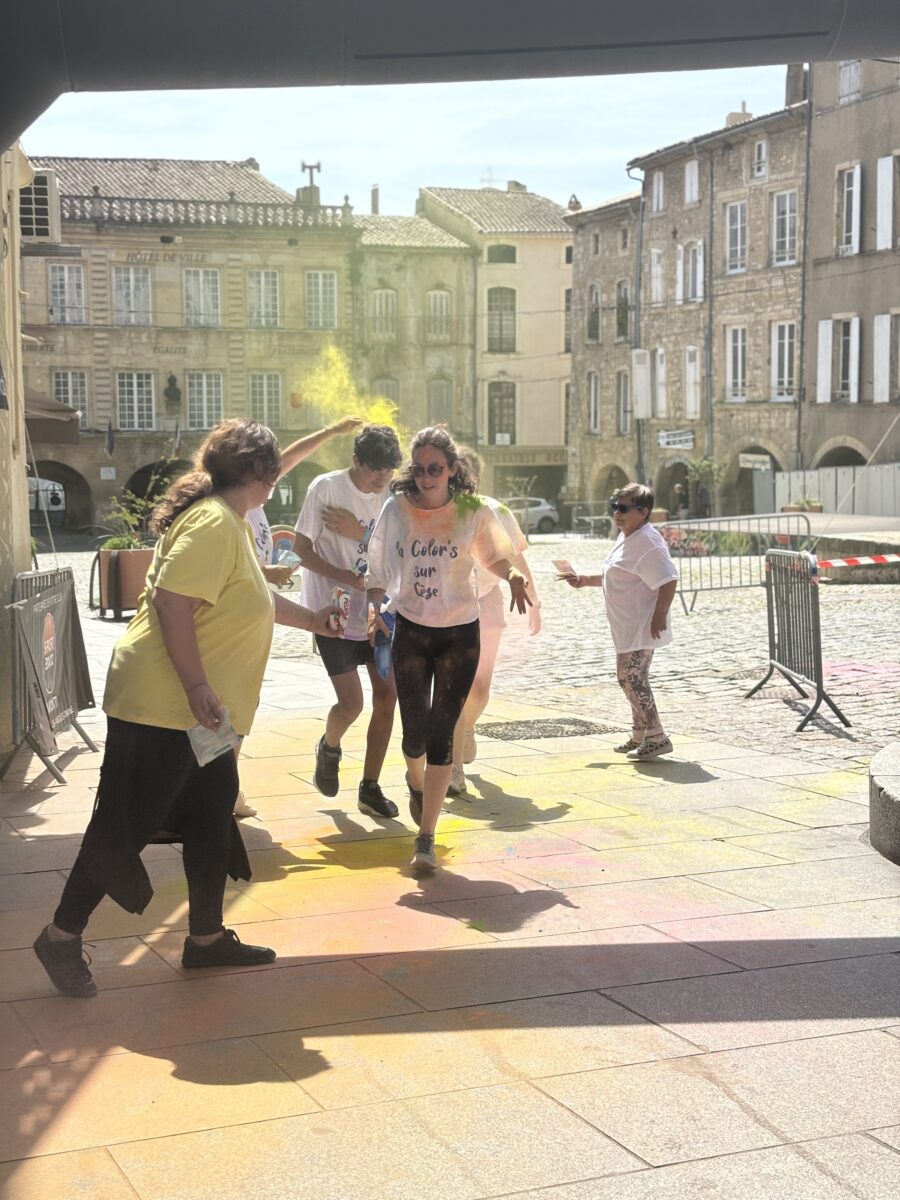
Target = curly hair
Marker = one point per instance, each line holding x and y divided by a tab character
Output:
233	453
377	447
471	460
438	437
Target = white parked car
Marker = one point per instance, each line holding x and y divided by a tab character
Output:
533	513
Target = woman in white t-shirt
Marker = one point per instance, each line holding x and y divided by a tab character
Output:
639	581
429	536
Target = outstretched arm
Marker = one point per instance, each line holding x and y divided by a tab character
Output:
305	446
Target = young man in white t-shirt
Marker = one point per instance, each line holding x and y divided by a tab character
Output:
332	537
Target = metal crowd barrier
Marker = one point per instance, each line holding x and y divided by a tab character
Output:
795	640
589	518
716	553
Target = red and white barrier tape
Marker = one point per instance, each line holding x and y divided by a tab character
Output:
874	560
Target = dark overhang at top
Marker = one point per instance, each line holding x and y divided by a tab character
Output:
48	47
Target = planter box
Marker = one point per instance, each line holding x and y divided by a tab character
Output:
123	575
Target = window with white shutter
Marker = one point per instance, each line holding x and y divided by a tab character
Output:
623	310
657	192
881	358
759	166
849	80
592	333
849	181
692	181
67	294
693	271
623	403
691	383
679	274
641	386
593	381
784	228
135	402
736	237
131	295
438	315
823	361
202	299
847	356
384	315
657	293
884	215
660	389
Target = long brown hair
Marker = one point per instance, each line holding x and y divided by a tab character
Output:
231	454
437	436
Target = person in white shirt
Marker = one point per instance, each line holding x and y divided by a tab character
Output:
256	518
639	581
431	533
332	536
492	622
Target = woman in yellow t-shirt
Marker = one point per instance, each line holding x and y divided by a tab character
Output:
193	655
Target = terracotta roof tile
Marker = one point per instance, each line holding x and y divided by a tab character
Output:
410	232
491	211
163	179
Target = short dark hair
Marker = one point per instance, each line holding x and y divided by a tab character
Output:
378	447
636	493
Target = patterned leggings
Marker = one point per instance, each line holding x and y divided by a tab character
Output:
633	674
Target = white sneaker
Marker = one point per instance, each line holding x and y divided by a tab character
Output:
457	785
242	808
470	747
631	744
424	860
650	748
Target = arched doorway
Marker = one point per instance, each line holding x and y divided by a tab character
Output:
749	489
149	482
672	489
74	495
841	456
607	479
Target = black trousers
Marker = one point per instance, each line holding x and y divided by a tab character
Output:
434	670
149	781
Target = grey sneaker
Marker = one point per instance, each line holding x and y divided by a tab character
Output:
64	963
630	744
327	768
373	801
470	746
650	748
423	861
457	785
415	801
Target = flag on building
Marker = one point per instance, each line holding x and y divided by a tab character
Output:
176	439
110	439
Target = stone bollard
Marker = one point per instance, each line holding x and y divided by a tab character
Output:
884	802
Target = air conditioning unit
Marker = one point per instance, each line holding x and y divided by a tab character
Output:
39	209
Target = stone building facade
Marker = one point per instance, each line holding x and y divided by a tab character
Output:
521	255
853	307
601	436
169	294
414	326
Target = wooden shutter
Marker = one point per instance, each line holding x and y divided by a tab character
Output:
857	210
640	383
854	359
823	364
881	353
679	274
884	227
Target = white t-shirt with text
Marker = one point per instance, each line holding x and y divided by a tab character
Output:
262	534
424	558
634	571
485	581
337	490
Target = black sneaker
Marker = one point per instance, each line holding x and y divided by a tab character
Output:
373	801
415	801
424	860
228	951
64	963
327	766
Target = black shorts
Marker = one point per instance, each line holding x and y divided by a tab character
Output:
341	655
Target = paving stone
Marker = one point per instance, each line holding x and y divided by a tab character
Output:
777	1004
83	1173
811	845
798	884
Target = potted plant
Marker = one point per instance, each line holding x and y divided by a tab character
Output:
803	504
125	556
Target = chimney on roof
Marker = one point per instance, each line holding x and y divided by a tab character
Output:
738	118
373	207
795	84
574	203
513	185
251	163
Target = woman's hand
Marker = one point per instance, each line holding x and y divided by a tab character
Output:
205	706
277	574
657	624
518	591
376	624
321	622
346	425
579	581
342	521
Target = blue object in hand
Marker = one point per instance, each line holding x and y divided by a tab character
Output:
383	645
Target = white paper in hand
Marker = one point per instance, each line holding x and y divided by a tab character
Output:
209	744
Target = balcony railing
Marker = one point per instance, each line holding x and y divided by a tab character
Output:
130	210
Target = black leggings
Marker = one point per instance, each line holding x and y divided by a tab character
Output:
434	670
149	781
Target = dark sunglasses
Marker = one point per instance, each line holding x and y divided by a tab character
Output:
622	508
435	470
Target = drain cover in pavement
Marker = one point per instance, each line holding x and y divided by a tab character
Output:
552	727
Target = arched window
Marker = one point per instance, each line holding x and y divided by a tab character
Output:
623	310
593	313
501	253
501	310
623	403
389	388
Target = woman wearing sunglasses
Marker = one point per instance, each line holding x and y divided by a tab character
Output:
639	581
431	533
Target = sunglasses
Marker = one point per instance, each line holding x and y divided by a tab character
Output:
622	508
435	470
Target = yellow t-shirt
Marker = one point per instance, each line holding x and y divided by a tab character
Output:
207	553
